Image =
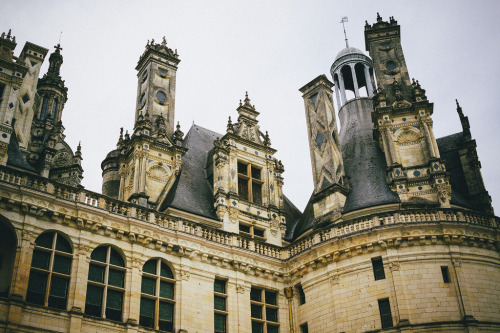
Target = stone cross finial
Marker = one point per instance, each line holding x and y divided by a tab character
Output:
164	41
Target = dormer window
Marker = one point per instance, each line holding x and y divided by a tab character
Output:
249	183
252	231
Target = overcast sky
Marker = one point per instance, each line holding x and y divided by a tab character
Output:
271	49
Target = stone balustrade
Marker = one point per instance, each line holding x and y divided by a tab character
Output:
339	229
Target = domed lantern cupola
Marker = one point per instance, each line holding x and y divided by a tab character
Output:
351	72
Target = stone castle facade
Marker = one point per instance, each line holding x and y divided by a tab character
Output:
192	232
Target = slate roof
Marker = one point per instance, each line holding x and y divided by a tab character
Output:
448	149
15	156
364	165
191	191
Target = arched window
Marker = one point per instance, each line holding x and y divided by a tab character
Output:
54	109
43	111
8	242
50	271
106	284
157	296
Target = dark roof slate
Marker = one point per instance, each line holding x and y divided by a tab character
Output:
15	156
191	191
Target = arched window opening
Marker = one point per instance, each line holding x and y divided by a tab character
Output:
361	78
8	242
43	111
54	109
106	284
50	271
157	296
348	82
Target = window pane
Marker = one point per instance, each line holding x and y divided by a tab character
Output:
220	286
150	267
114	300
257	327
63	245
45	240
272	329
96	273
243	188
94	295
147	307
148	286
36	288
219	303
40	259
378	268
256	311
272	314
166	311
244	228
242	168
255	294
255	173
99	254
220	323
58	295
166	272
166	290
258	232
59	287
257	193
271	297
115	258
62	264
115	278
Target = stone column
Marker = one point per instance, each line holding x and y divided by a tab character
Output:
342	87
428	138
136	174
355	81
337	93
78	288
369	85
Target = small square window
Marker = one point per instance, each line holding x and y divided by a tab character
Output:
26	98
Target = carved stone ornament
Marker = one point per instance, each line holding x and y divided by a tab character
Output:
240	289
61	159
334	280
394	266
457	263
185	275
274	226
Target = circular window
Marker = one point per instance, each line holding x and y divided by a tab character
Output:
161	97
162	71
390	65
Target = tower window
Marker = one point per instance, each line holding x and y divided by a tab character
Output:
264	310
2	87
26	98
43	111
106	284
161	97
54	109
50	271
378	268
304	328
220	306
157	296
249	183
302	295
446	274
385	313
163	72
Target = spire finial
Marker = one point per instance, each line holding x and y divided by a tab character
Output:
164	41
247	100
459	109
8	34
60	35
379	18
345	19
